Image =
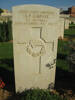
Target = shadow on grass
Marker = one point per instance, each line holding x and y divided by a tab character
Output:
6	74
8	62
61	56
70	35
64	80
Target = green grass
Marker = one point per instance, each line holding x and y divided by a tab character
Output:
63	47
69	33
36	94
72	25
64	51
6	50
6	66
6	56
62	64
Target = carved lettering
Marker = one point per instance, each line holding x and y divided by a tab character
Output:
36	17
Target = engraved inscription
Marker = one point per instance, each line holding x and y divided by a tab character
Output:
32	17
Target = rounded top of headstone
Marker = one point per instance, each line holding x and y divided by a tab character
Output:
36	6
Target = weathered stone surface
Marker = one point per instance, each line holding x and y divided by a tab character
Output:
35	36
67	24
61	28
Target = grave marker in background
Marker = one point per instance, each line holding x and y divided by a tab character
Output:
67	23
35	37
61	28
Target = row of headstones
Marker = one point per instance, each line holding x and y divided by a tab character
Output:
36	29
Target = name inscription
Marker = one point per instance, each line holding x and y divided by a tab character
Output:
36	17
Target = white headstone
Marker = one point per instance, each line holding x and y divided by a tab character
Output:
35	36
61	28
67	24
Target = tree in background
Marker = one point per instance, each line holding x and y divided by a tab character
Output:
5	31
0	32
1	11
9	27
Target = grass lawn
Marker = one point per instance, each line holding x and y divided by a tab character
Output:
6	50
69	33
72	24
63	47
62	64
63	52
6	56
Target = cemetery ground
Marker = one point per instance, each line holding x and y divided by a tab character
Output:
65	79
